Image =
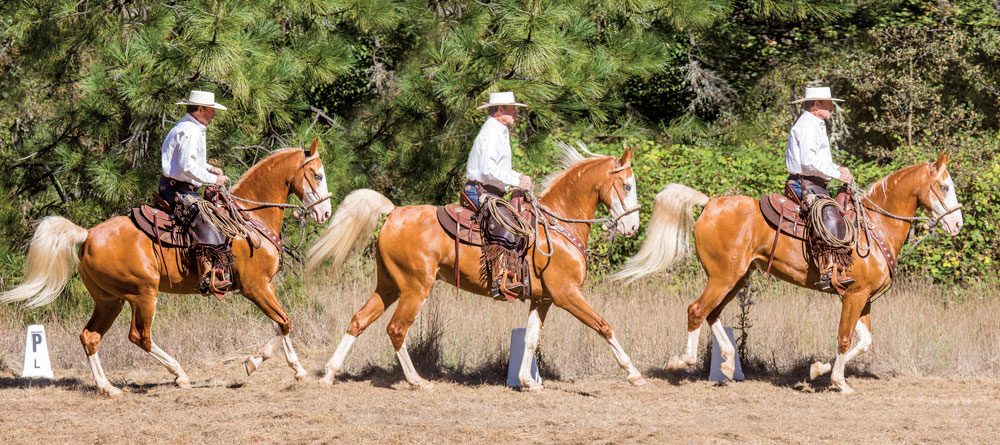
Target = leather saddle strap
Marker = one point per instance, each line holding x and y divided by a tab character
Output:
458	242
159	243
774	246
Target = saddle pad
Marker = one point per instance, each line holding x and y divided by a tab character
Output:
159	225
791	223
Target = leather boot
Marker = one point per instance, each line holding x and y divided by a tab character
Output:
826	280
215	262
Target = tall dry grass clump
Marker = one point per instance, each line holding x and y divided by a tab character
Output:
919	329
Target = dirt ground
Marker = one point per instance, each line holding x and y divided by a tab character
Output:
226	406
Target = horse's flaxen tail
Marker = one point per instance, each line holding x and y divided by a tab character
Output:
358	214
668	232
50	262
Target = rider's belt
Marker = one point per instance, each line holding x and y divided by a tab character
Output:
493	190
177	184
813	179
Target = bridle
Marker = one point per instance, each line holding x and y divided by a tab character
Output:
542	214
312	187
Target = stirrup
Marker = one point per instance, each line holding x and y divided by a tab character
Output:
825	282
217	283
507	288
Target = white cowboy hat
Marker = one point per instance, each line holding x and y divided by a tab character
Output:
203	98
817	93
501	98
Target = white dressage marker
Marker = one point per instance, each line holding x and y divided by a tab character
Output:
516	356
36	354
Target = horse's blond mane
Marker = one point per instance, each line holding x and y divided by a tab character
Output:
570	157
270	158
881	183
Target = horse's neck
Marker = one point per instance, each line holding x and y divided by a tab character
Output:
267	183
572	199
895	194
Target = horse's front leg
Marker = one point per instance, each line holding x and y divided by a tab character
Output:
850	315
536	316
264	297
863	332
574	303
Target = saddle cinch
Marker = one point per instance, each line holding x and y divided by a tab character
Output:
159	222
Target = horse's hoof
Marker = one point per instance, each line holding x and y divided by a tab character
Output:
727	369
183	384
817	369
424	385
252	363
842	387
531	386
301	377
676	363
327	382
637	380
111	392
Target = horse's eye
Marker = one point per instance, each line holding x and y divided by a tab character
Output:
627	187
944	188
319	178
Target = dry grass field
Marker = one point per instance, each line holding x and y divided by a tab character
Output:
931	376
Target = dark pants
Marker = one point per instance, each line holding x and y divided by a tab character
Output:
181	196
473	190
814	185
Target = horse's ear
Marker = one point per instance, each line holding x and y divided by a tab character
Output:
626	158
942	161
313	149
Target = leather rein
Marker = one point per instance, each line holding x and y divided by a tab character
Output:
301	212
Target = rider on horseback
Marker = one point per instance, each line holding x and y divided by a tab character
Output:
185	169
810	167
489	173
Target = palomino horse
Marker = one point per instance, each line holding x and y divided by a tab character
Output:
118	264
731	236
412	250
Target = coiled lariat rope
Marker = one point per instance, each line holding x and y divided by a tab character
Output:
820	229
301	212
519	226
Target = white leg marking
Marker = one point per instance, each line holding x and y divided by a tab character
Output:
172	365
863	345
103	385
409	371
864	342
266	352
531	332
634	377
337	361
726	349
292	359
690	355
837	376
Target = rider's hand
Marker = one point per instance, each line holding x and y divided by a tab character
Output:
524	183
221	179
215	170
845	176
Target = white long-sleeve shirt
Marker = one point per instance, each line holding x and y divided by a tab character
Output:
808	150
489	160
183	153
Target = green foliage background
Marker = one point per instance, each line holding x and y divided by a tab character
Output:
700	88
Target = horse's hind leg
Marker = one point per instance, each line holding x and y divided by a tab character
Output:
371	311
264	297
143	311
406	312
713	299
106	310
578	306
536	316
